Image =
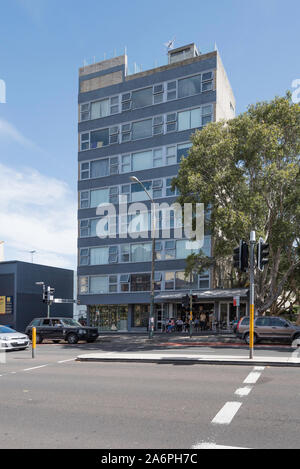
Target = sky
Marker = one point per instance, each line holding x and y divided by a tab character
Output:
42	45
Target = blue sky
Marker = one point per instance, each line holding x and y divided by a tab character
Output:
42	45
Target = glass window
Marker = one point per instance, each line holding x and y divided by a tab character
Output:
84	199
99	196
157	157
207	86
85	171
99	284
140	282
185	248
141	252
182	151
99	256
189	86
99	138
83	285
196	118
141	315
93	228
169	280
171	155
142	160
142	98
182	282
100	168
100	109
125	253
184	120
142	129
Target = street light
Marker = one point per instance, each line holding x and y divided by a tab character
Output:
151	318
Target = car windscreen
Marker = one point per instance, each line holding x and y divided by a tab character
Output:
6	330
70	322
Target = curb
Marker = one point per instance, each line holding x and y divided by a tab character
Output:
195	361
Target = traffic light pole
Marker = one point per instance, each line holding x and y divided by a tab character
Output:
252	297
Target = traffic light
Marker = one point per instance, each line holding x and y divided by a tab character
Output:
263	252
186	302
241	257
45	296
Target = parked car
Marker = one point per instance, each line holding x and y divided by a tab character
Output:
234	325
12	340
268	327
57	329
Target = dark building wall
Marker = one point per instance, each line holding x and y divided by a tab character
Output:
27	296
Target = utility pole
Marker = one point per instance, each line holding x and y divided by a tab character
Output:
252	297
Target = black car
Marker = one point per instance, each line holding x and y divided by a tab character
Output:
57	329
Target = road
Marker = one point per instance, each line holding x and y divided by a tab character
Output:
56	402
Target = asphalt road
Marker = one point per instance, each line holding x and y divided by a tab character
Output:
56	402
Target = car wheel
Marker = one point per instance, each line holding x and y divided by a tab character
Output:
72	338
39	339
247	338
296	337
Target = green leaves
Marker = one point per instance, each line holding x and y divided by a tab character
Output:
248	170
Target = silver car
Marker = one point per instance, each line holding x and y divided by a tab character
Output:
12	340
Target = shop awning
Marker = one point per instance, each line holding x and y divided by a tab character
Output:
212	295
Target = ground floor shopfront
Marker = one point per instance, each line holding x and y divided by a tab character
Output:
218	308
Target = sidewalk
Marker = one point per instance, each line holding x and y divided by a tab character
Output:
181	349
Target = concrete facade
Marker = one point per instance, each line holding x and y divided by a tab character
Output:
173	99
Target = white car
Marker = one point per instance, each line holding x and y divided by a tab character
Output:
12	340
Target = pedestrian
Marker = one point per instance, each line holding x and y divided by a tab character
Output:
202	321
197	323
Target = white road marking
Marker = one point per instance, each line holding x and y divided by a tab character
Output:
35	368
65	361
214	446
227	413
245	391
252	378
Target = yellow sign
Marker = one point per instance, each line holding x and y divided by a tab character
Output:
2	304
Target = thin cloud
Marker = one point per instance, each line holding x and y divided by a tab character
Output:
38	213
9	131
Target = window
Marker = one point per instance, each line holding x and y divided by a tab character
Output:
84	112
84	199
125	282
204	280
141	315
98	284
157	157
85	141
182	151
114	165
185	248
99	138
142	160
170	252
137	192
189	86
142	129
84	228
84	257
114	105
99	196
182	282
171	90
99	168
83	285
169	280
113	284
85	171
194	118
169	191
140	282
125	253
100	109
171	155
141	252
99	256
207	81
142	98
